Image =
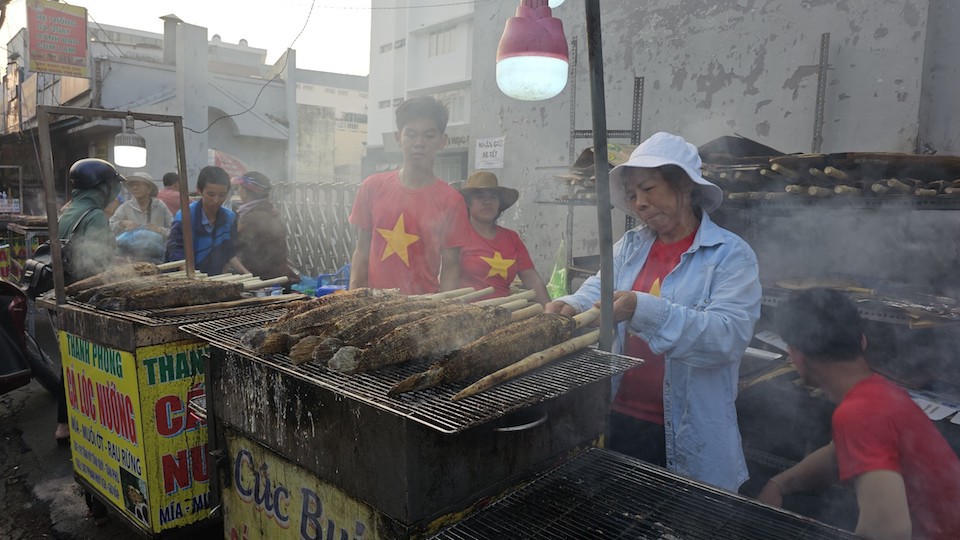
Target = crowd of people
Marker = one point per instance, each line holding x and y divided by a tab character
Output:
687	296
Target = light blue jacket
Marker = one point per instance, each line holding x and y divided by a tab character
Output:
702	323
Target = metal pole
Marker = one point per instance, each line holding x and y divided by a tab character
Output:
601	167
50	191
186	220
49	187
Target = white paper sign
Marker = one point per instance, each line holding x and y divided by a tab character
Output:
935	409
489	153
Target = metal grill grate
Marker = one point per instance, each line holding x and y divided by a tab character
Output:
432	408
603	494
150	318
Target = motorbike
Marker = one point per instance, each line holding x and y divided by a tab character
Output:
21	357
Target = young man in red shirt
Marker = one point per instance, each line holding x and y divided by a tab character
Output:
410	225
906	476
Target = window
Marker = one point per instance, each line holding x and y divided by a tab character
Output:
342	92
441	42
384	104
363	95
455	101
354	117
330	90
400	43
397	101
386	47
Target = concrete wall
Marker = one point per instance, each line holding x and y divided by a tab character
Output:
940	108
711	67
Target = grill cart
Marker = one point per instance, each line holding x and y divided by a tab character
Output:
134	445
306	451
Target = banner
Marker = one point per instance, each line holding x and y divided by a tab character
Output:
132	436
57	38
270	498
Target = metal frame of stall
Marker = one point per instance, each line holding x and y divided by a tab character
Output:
128	380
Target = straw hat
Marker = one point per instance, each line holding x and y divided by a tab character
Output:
145	178
665	149
488	180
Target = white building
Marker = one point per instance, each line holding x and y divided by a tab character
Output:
420	52
233	104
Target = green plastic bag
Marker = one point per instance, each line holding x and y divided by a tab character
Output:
557	286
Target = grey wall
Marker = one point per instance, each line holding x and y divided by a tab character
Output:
940	108
711	67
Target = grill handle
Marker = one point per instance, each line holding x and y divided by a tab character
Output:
527	426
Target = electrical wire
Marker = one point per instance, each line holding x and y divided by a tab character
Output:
283	67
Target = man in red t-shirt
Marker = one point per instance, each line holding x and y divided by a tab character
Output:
906	476
410	225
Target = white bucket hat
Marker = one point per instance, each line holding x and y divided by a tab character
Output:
665	149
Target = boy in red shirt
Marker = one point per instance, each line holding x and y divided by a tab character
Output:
906	476
410	225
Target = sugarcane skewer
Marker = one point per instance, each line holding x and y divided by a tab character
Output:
528	364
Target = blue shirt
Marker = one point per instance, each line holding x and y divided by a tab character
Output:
701	323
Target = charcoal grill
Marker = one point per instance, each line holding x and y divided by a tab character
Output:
412	459
432	408
603	494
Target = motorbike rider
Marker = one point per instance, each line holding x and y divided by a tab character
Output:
96	184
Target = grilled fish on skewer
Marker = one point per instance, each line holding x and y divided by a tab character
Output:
491	352
365	317
529	363
117	273
171	293
319	348
274	337
431	336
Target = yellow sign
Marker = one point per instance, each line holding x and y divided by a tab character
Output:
269	497
169	375
133	438
105	422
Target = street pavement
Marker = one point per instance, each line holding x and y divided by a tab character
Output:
39	495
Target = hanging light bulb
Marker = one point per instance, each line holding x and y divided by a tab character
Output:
554	3
532	59
129	149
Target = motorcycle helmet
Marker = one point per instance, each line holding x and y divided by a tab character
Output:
91	172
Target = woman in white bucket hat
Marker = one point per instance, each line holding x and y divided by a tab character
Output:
686	297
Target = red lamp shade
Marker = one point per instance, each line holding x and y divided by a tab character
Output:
532	59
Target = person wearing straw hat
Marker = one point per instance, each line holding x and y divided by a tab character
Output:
494	255
143	209
686	297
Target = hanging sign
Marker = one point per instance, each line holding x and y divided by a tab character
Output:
57	38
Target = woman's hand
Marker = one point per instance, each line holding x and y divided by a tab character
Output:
624	305
154	228
559	307
129	225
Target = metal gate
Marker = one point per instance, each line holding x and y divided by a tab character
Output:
319	238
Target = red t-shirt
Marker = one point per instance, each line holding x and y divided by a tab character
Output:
493	263
878	427
641	391
408	229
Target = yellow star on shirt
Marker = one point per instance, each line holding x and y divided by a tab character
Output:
498	265
398	240
655	288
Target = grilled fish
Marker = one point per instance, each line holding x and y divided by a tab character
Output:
494	351
117	273
428	337
320	348
173	293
